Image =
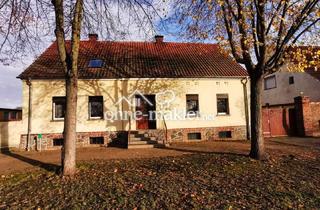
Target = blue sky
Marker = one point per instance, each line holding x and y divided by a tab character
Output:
10	87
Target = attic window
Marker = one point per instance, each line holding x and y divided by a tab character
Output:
95	63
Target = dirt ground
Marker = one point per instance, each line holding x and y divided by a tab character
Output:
13	162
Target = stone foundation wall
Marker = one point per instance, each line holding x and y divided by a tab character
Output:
120	137
83	140
207	134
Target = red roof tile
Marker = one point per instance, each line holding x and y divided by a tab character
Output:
140	60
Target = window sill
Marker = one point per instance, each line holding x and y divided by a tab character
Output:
95	119
270	88
192	115
218	115
58	120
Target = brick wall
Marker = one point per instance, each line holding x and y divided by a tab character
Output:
307	116
315	110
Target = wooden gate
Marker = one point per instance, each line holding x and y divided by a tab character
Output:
278	121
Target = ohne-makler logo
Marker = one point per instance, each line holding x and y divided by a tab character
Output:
163	99
168	115
131	98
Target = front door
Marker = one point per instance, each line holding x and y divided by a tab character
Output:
145	107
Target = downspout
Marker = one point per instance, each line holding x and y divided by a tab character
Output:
122	110
244	82
29	114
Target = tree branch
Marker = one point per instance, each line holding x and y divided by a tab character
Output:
59	32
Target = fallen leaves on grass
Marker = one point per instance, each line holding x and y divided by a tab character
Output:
204	181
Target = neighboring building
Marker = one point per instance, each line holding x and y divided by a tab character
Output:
282	87
10	114
156	79
10	127
282	92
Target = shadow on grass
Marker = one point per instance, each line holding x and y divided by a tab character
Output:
300	144
204	152
46	166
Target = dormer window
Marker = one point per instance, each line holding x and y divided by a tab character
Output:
95	63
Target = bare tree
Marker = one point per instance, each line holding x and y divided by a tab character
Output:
27	21
257	33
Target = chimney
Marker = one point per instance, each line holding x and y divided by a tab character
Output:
93	37
159	38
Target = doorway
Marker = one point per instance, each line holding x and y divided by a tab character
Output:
145	109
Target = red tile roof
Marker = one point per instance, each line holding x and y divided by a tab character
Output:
140	60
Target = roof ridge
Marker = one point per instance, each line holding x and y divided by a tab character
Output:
146	42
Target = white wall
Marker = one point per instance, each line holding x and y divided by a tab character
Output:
112	90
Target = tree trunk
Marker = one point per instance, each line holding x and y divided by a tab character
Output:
257	141
70	123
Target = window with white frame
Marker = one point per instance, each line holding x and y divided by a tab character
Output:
223	104
95	107
59	107
192	104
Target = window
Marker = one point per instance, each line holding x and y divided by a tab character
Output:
291	80
95	63
192	104
59	107
95	107
96	140
223	104
13	115
194	136
225	134
6	116
57	142
270	82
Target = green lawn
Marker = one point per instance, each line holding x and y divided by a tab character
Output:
203	181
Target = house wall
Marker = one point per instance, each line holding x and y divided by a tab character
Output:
284	93
113	90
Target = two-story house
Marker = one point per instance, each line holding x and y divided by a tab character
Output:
156	90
